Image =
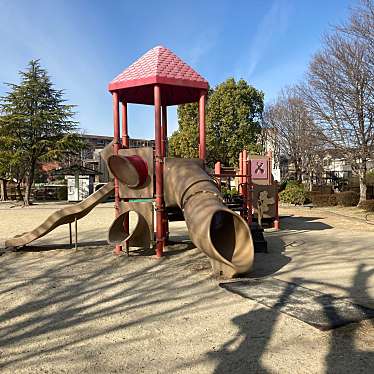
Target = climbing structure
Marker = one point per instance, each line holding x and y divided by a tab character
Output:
159	78
257	190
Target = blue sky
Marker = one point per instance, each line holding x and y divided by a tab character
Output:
84	44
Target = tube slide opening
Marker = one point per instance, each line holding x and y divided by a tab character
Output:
130	170
117	233
227	232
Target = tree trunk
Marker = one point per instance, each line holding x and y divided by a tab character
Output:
19	196
310	182
29	183
297	171
3	190
363	188
26	199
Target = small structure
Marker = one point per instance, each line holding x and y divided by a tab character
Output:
80	181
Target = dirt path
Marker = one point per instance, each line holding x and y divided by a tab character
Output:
67	311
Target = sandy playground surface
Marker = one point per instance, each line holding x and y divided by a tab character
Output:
87	311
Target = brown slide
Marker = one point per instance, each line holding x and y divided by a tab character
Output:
62	217
216	230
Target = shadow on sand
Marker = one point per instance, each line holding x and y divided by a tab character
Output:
254	337
70	310
304	223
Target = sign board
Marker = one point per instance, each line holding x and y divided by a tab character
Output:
259	168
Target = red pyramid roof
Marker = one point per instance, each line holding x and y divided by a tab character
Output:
180	83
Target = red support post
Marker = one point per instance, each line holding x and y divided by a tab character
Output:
164	131
249	195
217	171
240	187
116	147
164	143
271	181
160	227
125	144
245	181
202	146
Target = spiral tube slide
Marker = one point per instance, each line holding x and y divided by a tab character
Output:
217	231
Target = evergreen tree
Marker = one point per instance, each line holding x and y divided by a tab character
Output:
233	121
36	125
185	142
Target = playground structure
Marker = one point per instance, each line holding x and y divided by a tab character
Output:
162	79
257	190
147	181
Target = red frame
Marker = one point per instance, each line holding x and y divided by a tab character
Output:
159	91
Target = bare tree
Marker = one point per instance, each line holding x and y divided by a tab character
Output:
361	25
339	96
296	136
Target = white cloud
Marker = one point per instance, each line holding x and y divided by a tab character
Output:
273	24
201	47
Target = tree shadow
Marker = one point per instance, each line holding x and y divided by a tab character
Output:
173	248
266	264
51	247
243	353
344	356
303	223
84	296
255	330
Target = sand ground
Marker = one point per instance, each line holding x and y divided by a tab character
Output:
87	311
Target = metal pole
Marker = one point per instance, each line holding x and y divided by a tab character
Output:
160	227
164	133
70	235
202	146
125	133
116	147
76	182
76	233
125	144
245	187
276	220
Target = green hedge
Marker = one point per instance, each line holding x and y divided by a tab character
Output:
62	193
348	198
294	193
368	205
323	199
228	192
